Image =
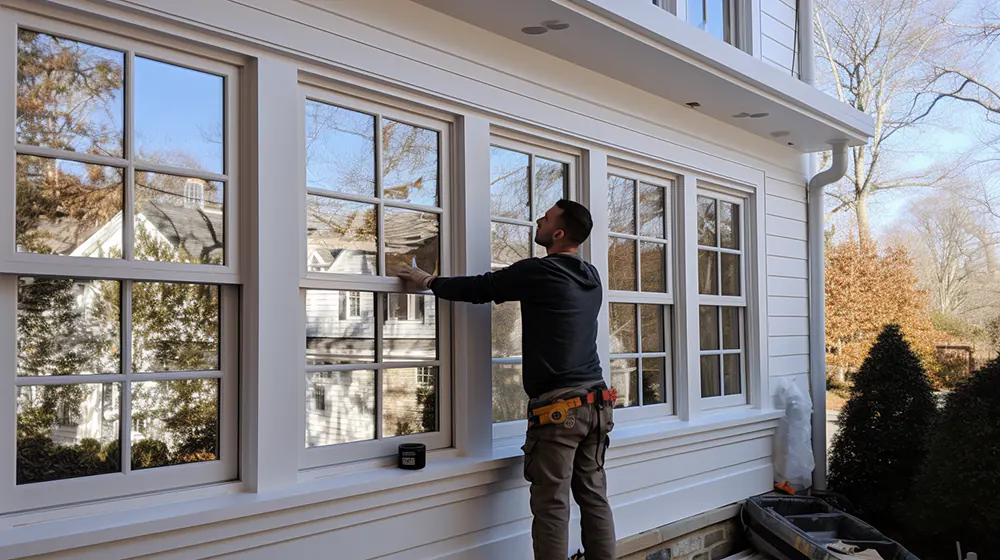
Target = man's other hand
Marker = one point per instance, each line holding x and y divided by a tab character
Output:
416	276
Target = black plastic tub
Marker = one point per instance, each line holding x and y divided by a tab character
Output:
801	527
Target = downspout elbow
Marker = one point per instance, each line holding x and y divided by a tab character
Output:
817	303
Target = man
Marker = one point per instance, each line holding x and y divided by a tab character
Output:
570	408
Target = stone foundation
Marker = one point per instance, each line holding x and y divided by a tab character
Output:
710	536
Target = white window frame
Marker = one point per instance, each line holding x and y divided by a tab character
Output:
721	194
342	95
534	147
226	276
665	300
739	27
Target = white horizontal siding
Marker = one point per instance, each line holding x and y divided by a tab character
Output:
788	273
777	54
782	33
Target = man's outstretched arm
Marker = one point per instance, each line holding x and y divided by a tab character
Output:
507	284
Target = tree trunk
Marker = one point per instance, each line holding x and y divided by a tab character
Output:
861	211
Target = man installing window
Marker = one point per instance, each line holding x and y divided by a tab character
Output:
570	407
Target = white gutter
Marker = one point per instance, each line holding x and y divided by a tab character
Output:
817	311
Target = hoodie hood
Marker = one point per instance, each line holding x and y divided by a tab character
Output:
574	268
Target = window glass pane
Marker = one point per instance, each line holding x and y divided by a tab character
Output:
67	326
733	374
707	225
178	219
509	399
409	163
653	263
341	236
710	376
340	149
175	327
717	18
696	13
409	402
69	95
507	330
730	328
731	274
625	379
709	327
508	244
708	272
621	204
510	181
653	385
349	407
178	116
621	264
174	422
623	328
340	327
550	184
652	327
729	226
68	208
67	431
652	211
411	239
410	340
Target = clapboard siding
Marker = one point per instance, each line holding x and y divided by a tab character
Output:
777	54
784	189
788	365
787	268
785	247
784	227
787	287
780	346
772	27
788	306
785	208
787	326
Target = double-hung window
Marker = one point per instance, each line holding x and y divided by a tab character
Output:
716	17
722	299
640	284
525	181
119	283
375	200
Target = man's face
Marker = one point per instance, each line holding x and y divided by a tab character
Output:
549	227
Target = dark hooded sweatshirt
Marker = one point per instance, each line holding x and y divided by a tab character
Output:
560	298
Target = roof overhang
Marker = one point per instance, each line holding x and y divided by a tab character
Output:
637	43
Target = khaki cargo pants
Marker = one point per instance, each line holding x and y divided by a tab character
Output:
563	457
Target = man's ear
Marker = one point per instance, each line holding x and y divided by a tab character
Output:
559	234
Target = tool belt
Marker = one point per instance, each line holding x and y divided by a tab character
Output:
555	413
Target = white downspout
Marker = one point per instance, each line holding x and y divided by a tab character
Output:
817	311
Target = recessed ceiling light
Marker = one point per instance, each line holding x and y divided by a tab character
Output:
534	30
741	115
555	25
780	133
759	115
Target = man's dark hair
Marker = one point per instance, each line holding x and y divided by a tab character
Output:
576	220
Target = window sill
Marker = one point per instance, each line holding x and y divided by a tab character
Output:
372	488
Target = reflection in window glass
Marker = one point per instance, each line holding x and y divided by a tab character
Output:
709	327
732	374
730	226
340	149
409	402
341	236
551	179
67	208
621	204
411	237
70	95
409	163
707	226
178	116
708	272
710	376
653	381
67	326
340	327
405	339
652	328
731	277
621	264
178	219
67	431
174	422
510	182
652	211
623	328
506	323
653	259
625	379
175	327
349	414
509	243
509	399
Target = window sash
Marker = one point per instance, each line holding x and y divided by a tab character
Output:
106	486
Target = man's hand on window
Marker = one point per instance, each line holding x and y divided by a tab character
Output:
416	276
